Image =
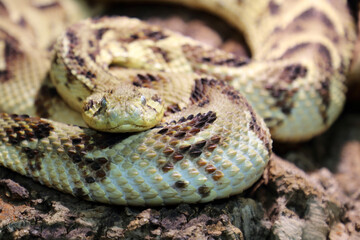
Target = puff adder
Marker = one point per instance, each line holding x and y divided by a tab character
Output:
211	143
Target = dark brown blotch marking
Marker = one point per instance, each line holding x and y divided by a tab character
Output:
101	174
198	54
168	151
292	72
79	192
232	94
88	105
293	50
256	128
314	13
31	153
210	168
174	108
324	93
217	175
163	130
37	129
88	74
194	152
80	61
76	158
155	35
204	191
215	139
101	160
95	166
100	32
92	169
186	128
34	157
211	147
184	148
283	95
90	180
198	94
12	53
5	76
274	8
181	184
324	52
180	134
200	144
167	167
71	35
156	98
177	157
162	53
146	80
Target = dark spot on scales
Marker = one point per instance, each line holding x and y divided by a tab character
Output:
145	80
256	128
292	72
5	76
181	184
34	157
33	128
76	140
162	53
167	167
198	94
283	97
154	34
274	8
326	61
72	37
11	54
79	192
174	108
204	191
316	14
293	50
200	55
89	180
186	128
79	60
324	93
100	32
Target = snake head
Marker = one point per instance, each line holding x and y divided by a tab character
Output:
123	110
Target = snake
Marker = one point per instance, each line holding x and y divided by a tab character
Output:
191	123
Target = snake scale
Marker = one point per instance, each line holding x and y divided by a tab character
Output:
211	143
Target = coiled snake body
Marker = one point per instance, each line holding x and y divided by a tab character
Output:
211	143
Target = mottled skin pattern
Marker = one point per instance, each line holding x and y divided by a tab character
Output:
301	52
217	152
210	144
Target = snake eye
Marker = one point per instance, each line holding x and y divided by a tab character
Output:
103	102
143	100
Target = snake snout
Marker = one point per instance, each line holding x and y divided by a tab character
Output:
122	112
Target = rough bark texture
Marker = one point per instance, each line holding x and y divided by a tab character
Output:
313	194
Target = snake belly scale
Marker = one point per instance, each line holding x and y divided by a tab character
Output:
211	143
